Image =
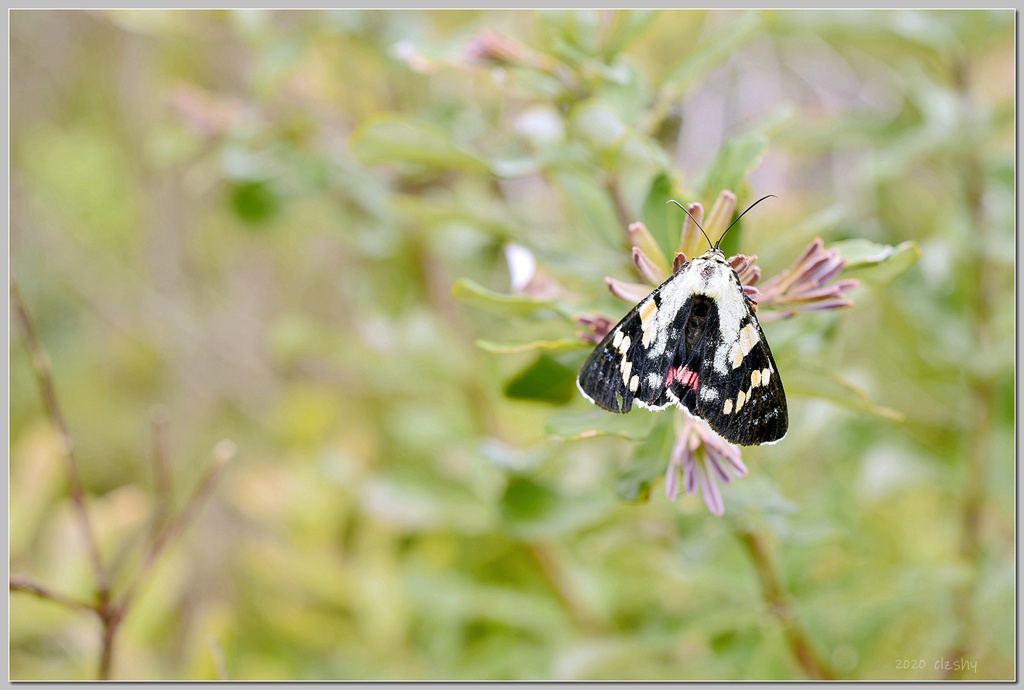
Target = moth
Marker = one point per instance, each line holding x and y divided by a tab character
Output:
694	342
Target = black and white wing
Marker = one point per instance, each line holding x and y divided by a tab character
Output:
733	385
695	342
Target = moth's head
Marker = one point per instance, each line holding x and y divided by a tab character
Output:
714	254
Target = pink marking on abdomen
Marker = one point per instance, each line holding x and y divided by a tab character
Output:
683	376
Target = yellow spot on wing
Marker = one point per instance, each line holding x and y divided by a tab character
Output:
617	339
627	367
765	375
624	345
634	383
736	355
740	399
748	338
647	313
755	378
728	406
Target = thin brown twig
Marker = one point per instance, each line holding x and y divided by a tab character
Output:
780	606
620	204
555	573
223	452
20	583
44	378
112	616
108	613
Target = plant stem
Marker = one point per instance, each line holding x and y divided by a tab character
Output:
19	583
621	212
778	602
111	619
173	527
110	613
561	581
981	389
44	378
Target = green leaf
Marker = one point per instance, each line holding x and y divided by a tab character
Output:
664	220
648	463
629	100
572	33
716	49
546	380
828	385
876	263
757	494
739	644
528	501
255	202
590	204
757	505
635	425
513	168
596	124
434	212
560	345
630	159
392	138
533	510
476	295
729	170
629	25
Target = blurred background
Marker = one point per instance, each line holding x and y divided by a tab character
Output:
321	434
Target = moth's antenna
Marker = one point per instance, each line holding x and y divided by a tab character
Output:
740	216
673	201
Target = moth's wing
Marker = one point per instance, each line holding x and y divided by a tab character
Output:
694	355
628	366
739	392
706	354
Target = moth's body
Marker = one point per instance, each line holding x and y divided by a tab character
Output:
696	343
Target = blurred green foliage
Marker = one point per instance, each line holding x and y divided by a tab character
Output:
279	228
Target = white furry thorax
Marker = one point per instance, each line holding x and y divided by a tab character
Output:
711	275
